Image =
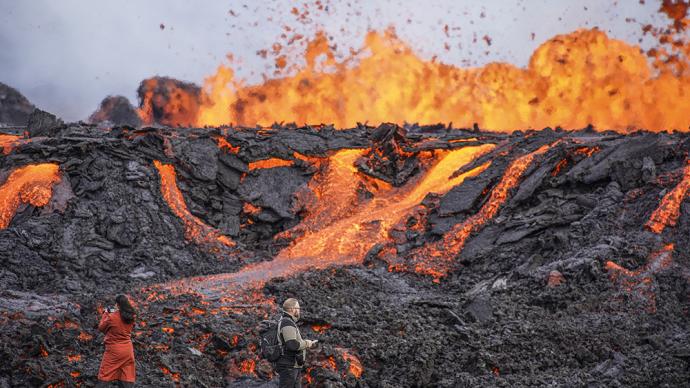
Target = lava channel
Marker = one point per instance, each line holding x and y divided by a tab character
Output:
32	184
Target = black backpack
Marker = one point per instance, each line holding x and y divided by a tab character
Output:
270	344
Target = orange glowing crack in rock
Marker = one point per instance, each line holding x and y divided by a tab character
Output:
434	259
195	229
669	209
340	230
640	282
270	163
32	184
572	80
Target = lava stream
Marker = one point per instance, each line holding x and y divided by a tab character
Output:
31	184
669	209
434	259
195	229
346	239
8	142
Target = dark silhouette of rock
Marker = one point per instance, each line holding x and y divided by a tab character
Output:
14	107
116	110
42	123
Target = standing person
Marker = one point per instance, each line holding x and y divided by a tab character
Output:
291	362
117	365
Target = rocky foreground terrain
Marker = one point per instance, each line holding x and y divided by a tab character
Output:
541	258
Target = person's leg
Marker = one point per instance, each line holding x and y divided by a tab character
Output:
298	378
102	384
125	384
286	378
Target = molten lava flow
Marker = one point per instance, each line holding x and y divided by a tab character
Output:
571	81
434	259
559	166
224	144
31	184
344	233
340	229
355	367
669	209
195	229
270	163
8	142
640	281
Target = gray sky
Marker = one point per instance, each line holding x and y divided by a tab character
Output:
67	55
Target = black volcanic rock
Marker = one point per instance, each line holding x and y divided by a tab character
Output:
14	107
116	110
493	321
42	123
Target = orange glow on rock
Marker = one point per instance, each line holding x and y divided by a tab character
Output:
168	330
8	142
224	144
320	328
668	211
247	366
561	164
85	337
195	229
174	376
355	367
74	357
639	281
435	259
270	163
32	184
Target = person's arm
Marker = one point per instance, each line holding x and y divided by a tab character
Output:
104	324
293	340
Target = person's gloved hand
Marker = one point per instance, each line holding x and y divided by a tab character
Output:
310	343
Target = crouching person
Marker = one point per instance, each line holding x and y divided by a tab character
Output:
291	362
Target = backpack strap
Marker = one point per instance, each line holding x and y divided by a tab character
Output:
279	335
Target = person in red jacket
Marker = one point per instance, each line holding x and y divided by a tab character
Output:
117	365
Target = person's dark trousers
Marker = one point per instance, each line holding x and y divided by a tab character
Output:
118	384
289	378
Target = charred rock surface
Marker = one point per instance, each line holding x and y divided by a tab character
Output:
567	283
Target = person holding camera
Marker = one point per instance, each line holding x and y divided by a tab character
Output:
291	362
117	365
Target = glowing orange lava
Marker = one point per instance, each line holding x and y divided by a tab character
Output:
8	142
320	328
224	144
270	163
74	357
355	366
340	229
195	229
32	184
572	80
434	259
639	282
669	209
